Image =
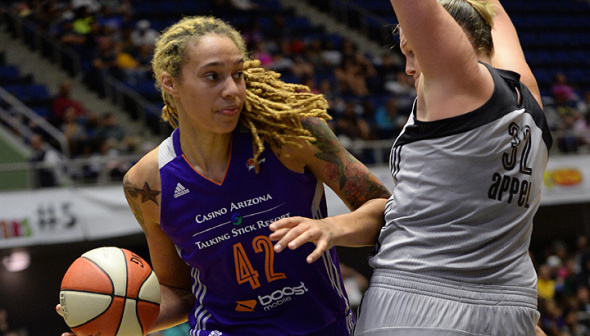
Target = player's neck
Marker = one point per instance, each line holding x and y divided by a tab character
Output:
209	155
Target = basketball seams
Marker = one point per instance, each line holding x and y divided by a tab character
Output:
99	315
100	274
128	271
105	272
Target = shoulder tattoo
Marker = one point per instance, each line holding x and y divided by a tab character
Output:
136	195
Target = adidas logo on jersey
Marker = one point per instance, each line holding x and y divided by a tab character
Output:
180	190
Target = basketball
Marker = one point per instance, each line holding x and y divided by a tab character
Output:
110	291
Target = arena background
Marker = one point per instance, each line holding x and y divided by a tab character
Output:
45	228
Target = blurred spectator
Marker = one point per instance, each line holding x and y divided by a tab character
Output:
127	62
244	5
78	30
104	63
260	52
545	282
47	163
282	61
551	321
583	299
403	90
144	34
331	56
301	68
389	120
311	84
93	6
566	280
581	129
583	104
109	129
350	78
351	125
3	322
388	70
112	19
75	131
561	89
5	329
573	327
580	253
144	62
62	101
567	141
313	53
106	164
584	275
253	34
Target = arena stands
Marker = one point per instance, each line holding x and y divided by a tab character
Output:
107	50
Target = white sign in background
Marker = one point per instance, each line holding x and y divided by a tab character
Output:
51	216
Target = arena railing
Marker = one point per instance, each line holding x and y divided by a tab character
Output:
17	111
60	54
70	61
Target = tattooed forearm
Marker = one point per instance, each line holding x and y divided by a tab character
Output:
362	186
329	150
354	179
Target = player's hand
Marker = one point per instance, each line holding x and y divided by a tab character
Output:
293	232
58	310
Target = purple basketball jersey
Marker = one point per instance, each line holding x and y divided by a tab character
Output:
221	230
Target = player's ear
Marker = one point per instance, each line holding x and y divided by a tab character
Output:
168	83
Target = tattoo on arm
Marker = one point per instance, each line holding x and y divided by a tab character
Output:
354	179
132	193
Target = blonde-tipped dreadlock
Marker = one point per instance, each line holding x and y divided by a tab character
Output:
273	109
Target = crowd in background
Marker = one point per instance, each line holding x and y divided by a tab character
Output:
568	113
563	271
370	98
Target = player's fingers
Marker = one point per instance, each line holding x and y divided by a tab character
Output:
288	222
289	237
58	310
295	237
277	235
302	238
317	253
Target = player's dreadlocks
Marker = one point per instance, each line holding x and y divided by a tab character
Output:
273	109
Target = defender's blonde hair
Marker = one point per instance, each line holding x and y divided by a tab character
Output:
273	109
477	18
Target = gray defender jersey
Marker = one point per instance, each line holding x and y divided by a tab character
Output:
466	190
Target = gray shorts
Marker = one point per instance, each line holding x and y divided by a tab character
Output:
399	303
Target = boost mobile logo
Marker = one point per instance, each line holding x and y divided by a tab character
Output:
281	296
246	306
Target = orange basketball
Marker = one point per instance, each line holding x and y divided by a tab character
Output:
110	291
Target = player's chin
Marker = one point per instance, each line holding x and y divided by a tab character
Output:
226	124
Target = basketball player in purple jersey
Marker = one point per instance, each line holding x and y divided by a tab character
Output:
247	149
